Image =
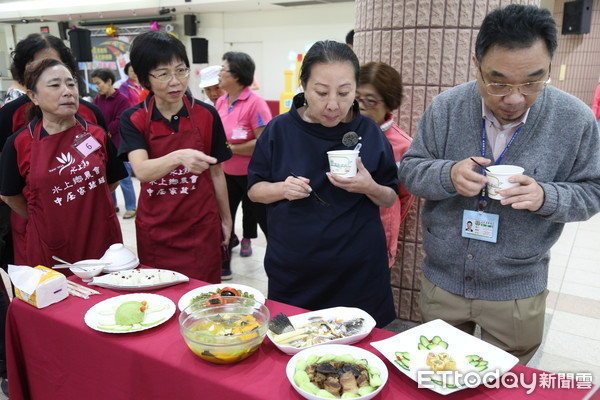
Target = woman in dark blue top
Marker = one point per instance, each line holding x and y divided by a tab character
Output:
322	256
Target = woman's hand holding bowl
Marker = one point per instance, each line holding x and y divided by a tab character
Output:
361	183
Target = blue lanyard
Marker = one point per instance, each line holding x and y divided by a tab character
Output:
482	202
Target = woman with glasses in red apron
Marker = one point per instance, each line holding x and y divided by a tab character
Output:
175	145
59	171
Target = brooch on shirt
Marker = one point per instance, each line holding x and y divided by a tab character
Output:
350	139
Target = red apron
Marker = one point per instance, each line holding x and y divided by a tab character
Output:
71	213
177	224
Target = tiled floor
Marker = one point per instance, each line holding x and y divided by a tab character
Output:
572	334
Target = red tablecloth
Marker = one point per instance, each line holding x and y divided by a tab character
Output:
53	354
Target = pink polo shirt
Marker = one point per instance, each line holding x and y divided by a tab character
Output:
247	113
499	135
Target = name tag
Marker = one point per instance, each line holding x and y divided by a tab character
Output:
480	226
86	144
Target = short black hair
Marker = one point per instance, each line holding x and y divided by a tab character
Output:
27	48
350	37
104	74
126	68
241	66
516	26
154	48
327	52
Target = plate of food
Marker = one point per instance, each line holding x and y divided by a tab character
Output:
336	371
443	358
212	293
136	280
337	325
128	313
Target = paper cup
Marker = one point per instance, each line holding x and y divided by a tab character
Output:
498	179
343	162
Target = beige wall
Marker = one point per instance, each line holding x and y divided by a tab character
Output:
578	56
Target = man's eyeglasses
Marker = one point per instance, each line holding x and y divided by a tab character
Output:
504	89
179	73
368	102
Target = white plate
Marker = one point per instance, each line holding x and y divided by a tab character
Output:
336	349
460	345
339	313
114	268
116	280
186	299
101	312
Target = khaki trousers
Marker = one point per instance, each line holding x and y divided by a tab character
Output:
516	326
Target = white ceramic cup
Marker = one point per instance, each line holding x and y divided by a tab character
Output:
498	179
343	162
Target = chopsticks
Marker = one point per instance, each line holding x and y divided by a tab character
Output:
311	191
78	290
479	164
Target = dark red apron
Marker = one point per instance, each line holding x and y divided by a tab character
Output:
71	213
177	224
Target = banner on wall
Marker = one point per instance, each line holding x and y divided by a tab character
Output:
107	52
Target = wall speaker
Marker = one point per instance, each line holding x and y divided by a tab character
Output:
81	44
199	51
63	27
189	25
577	17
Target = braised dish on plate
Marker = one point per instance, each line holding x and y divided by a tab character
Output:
334	371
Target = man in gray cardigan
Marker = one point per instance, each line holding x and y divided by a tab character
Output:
496	276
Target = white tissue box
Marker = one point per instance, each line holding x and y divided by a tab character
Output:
51	288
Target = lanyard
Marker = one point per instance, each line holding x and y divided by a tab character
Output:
482	201
484	140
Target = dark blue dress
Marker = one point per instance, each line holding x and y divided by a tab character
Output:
319	257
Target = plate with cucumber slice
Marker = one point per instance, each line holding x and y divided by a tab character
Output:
443	358
364	377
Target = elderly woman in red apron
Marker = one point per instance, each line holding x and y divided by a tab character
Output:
58	172
175	145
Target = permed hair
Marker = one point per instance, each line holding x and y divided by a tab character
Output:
104	74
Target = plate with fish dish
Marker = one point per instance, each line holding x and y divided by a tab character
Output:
337	325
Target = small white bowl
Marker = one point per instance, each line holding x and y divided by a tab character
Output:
86	273
120	258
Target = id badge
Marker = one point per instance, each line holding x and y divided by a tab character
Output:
480	226
85	144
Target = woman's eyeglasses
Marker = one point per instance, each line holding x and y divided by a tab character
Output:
179	73
368	102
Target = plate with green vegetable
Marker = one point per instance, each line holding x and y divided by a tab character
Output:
336	371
